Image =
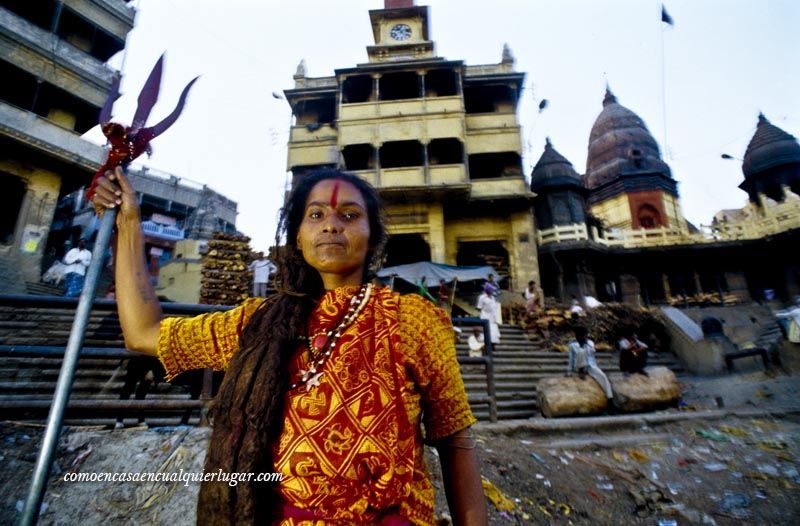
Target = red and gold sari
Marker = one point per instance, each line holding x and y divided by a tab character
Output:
351	451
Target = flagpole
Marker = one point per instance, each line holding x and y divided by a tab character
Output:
664	89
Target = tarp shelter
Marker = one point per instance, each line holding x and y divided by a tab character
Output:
433	272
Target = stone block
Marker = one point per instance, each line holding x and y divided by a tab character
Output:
570	396
645	393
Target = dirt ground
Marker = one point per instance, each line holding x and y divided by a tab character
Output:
741	468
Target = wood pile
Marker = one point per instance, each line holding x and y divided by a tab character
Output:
605	324
226	276
704	299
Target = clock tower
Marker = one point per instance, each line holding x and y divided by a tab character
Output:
400	31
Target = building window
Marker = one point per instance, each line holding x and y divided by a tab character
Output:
637	158
648	217
401	154
359	157
489	99
357	88
445	151
441	83
314	112
494	165
398	86
10	202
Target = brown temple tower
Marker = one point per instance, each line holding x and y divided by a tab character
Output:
630	185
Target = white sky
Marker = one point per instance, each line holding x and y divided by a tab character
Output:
724	61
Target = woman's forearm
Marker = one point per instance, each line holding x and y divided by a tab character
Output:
139	310
462	479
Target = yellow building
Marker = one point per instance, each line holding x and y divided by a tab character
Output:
55	81
438	138
179	278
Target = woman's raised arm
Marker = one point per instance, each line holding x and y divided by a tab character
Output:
139	310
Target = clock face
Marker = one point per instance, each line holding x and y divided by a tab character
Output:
400	32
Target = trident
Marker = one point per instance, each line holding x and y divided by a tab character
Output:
127	143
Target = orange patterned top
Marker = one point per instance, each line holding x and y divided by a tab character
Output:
349	451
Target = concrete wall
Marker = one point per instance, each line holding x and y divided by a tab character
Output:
706	355
615	212
34	218
179	279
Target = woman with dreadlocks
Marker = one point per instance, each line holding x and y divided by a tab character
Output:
327	382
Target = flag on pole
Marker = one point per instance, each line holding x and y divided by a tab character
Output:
665	16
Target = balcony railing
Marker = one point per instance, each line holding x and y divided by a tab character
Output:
95	75
43	134
398	108
779	218
319	132
169	233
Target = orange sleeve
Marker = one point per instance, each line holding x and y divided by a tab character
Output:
205	341
435	367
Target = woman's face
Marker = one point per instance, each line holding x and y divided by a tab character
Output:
334	234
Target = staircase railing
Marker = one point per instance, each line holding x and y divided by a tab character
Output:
486	360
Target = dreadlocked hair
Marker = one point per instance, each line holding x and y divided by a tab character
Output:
248	410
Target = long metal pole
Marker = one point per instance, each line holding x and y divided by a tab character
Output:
30	513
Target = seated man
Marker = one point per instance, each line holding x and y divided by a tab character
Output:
476	342
632	353
582	361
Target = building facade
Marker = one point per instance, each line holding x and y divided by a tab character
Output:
55	80
439	139
617	232
178	218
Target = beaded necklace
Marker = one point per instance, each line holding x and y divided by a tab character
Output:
320	345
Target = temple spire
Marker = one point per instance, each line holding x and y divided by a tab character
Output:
610	98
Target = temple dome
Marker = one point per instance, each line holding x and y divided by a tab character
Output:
553	169
769	147
620	143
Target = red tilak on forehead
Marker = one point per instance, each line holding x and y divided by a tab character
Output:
335	194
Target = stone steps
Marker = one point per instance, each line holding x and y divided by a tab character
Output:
519	364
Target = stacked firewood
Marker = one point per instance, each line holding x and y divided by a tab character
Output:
226	277
704	299
605	324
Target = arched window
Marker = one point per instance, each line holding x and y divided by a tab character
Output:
648	217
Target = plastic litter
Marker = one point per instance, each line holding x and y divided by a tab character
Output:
710	434
735	431
538	458
605	487
595	496
715	467
500	501
667	522
735	504
638	456
767	469
789	472
20	504
772	445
